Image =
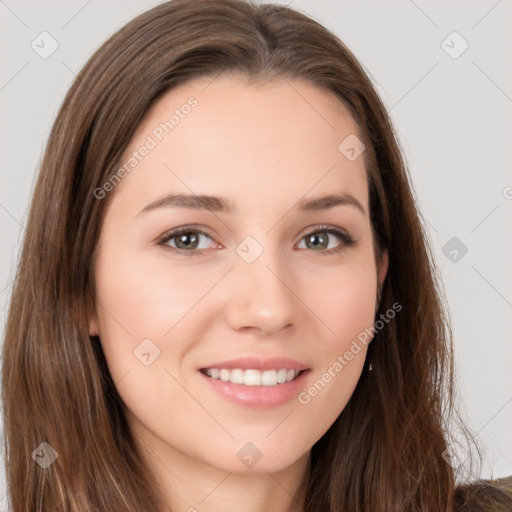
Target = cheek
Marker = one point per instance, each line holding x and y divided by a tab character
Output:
142	309
346	307
140	295
344	304
147	306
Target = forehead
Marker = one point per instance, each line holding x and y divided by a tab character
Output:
226	134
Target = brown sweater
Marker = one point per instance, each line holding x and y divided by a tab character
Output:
485	496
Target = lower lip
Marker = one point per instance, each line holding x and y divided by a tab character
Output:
258	396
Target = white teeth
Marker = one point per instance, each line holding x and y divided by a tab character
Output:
237	376
269	378
252	377
281	375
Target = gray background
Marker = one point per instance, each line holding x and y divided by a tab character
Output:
453	116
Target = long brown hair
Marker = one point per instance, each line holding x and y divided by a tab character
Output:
387	449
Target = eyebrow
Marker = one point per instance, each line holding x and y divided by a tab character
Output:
222	205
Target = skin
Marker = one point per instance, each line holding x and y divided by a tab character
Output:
264	147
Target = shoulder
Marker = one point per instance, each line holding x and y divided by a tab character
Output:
485	496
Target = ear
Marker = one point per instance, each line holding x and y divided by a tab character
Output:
382	270
383	267
93	327
93	321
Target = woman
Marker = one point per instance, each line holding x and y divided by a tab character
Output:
225	298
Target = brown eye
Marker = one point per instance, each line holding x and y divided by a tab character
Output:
185	240
317	240
320	239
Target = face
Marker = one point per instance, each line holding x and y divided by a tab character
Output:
228	322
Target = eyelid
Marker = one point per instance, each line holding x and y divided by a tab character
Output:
323	227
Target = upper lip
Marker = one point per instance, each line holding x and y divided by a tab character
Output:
258	363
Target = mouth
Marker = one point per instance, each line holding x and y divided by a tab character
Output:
256	382
254	377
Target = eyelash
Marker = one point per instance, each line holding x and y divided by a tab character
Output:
346	240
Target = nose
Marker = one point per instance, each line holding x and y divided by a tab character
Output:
261	297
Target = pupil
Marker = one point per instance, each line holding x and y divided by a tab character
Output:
184	239
316	237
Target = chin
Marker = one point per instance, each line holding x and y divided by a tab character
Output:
253	458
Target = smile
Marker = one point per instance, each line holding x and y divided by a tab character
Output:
252	377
